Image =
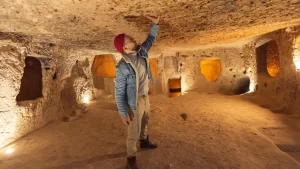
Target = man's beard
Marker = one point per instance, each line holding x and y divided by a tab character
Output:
137	47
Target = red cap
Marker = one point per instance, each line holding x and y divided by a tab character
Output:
119	42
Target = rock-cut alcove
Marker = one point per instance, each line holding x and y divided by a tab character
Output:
268	66
268	59
211	69
103	71
174	87
31	83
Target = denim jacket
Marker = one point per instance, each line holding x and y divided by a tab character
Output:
126	87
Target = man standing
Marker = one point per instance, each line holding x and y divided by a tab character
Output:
132	73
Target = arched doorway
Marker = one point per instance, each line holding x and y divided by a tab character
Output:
103	71
268	66
267	57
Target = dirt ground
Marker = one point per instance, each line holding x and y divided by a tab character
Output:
219	132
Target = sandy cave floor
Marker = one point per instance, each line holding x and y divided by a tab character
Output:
220	132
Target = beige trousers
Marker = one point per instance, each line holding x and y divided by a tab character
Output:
137	128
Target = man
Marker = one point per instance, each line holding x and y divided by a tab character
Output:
132	73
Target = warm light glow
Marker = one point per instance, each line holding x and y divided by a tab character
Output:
297	62
183	93
252	83
9	150
175	87
273	62
251	87
183	87
104	66
296	53
86	99
210	68
153	65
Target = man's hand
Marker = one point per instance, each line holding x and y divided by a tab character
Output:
126	121
155	20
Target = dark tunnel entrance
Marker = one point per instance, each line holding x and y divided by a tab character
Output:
242	86
31	83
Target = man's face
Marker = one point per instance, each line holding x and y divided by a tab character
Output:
129	43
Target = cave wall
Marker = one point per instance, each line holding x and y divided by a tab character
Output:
238	63
157	87
232	69
64	81
283	89
186	65
67	78
19	118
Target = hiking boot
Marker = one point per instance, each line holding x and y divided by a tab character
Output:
147	144
131	163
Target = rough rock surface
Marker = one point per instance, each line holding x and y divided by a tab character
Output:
66	35
215	135
187	24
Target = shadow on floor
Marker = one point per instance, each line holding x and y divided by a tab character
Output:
285	138
289	148
106	105
84	163
266	102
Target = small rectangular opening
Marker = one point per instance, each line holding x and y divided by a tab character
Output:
174	87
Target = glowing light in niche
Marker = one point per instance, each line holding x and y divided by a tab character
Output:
297	62
86	99
9	150
252	81
184	86
296	53
251	87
